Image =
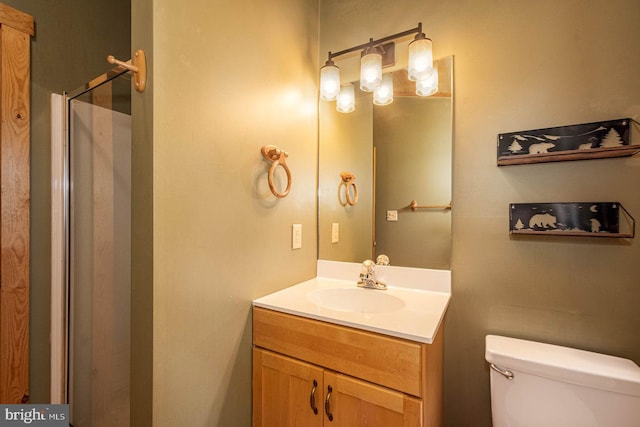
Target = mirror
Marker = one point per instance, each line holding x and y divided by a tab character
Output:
397	153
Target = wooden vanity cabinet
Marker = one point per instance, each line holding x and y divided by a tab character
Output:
375	380
289	392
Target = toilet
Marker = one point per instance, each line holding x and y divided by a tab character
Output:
543	385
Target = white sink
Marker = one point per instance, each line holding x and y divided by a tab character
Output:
412	307
356	300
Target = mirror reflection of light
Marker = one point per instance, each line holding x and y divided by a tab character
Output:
383	95
346	101
429	85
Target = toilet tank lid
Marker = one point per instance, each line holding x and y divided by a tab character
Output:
564	364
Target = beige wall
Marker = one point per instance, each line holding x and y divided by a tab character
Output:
228	79
524	65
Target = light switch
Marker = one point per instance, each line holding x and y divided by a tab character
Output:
392	215
335	232
296	236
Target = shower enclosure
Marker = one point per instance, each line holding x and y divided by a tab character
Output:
91	366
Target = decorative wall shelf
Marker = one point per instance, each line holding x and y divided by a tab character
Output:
583	219
563	156
598	140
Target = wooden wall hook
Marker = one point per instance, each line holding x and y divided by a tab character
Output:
137	66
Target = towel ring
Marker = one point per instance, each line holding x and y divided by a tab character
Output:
277	158
349	180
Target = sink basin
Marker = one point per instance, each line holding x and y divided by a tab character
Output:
413	313
356	300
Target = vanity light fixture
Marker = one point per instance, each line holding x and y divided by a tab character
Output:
377	54
346	101
420	57
371	68
329	81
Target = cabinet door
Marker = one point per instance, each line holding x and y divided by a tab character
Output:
284	391
355	403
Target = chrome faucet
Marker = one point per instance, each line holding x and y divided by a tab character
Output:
368	277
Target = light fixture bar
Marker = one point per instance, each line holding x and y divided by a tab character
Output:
418	29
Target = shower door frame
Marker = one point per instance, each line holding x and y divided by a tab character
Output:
60	231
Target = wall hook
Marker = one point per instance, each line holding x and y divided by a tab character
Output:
137	65
277	157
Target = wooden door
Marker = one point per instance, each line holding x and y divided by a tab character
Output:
15	31
356	403
282	391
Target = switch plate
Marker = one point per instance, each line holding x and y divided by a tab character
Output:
296	236
335	232
392	215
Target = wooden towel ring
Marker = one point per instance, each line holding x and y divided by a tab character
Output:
349	180
278	158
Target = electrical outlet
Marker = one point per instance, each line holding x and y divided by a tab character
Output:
392	215
296	236
335	232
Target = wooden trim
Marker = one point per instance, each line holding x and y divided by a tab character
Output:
413	412
373	203
380	359
16	19
14	216
256	389
432	359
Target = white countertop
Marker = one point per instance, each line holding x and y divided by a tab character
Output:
417	318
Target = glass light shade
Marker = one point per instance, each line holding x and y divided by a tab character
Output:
346	101
329	82
370	71
383	95
420	59
428	86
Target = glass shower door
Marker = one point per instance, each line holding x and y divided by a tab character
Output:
99	267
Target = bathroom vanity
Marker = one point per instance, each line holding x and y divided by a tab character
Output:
328	353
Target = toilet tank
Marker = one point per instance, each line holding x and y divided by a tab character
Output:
555	386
